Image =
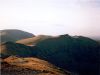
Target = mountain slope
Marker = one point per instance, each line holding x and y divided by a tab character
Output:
29	66
33	40
13	35
77	54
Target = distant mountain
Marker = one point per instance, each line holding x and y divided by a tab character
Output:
33	40
77	54
13	35
98	41
29	66
96	38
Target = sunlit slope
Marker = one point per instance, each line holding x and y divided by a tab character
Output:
33	40
35	64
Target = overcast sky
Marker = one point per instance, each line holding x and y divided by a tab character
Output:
52	17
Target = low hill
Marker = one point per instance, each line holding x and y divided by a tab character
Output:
11	48
13	35
29	66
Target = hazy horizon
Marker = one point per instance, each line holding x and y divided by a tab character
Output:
51	17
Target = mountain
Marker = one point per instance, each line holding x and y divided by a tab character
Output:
20	59
33	40
77	54
29	66
13	35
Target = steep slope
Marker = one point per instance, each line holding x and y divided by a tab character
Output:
77	54
33	40
13	35
29	66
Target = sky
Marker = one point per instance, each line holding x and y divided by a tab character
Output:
51	17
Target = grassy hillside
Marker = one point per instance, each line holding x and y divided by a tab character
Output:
29	66
33	40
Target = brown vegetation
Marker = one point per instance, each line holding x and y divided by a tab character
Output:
29	66
33	40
